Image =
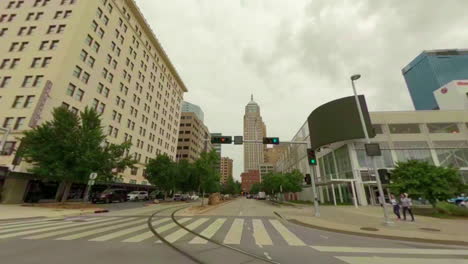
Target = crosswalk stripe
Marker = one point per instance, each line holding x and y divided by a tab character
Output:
39	225
209	231
35	225
20	223
149	234
101	230
260	234
107	221
182	232
128	231
428	251
287	235
34	231
385	260
235	232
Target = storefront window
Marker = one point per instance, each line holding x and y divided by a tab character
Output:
343	163
414	150
404	128
384	161
443	128
452	153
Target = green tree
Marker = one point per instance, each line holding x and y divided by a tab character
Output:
162	172
256	188
69	147
207	173
237	187
293	181
229	187
272	182
421	179
186	178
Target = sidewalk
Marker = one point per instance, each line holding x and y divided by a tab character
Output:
351	220
10	212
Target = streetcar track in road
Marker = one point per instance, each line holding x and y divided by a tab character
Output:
254	256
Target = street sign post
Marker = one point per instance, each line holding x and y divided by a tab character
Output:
93	176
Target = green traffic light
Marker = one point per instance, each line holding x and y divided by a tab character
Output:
312	161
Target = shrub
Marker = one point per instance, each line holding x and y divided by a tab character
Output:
451	209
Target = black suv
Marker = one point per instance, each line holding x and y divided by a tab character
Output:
111	195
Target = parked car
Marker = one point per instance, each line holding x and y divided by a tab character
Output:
460	201
261	196
249	196
111	195
194	197
137	196
156	195
184	197
177	197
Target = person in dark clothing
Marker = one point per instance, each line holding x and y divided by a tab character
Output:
406	203
396	206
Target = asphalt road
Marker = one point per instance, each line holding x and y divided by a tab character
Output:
123	236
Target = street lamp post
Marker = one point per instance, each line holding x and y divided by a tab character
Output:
374	165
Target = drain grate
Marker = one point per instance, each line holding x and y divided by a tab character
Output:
369	229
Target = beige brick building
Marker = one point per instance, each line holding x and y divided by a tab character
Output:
78	53
194	137
225	169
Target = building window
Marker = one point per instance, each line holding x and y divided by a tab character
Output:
134	171
8	148
451	128
452	153
19	123
377	129
71	89
19	100
413	150
404	128
4	81
29	101
77	72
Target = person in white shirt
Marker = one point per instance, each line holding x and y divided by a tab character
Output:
406	203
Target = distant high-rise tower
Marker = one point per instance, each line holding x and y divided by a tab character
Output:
431	70
254	129
193	108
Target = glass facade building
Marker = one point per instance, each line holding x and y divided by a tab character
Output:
431	70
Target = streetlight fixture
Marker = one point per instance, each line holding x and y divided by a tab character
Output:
374	165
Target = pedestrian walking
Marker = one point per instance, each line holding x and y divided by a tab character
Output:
406	203
396	206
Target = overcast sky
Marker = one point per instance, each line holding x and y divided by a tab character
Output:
295	55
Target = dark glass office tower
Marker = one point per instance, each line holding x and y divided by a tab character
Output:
431	70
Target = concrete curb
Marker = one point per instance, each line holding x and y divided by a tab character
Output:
410	239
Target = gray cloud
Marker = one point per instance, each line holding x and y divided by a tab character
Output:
297	55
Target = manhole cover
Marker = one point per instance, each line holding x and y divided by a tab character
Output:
430	229
369	229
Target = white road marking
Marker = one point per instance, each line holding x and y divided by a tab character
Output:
287	235
22	223
32	226
182	232
384	260
34	231
428	251
92	225
266	255
260	234
100	230
128	231
149	234
209	231
234	234
240	213
324	237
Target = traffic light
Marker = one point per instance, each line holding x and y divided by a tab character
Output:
271	140
311	156
221	140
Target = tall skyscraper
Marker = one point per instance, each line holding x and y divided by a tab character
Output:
96	53
254	129
189	107
193	137
431	70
